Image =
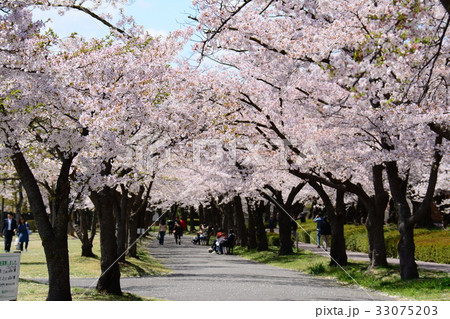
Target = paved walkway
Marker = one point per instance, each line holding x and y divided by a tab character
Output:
202	276
365	257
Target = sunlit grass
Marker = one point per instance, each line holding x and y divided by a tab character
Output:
430	286
34	291
33	266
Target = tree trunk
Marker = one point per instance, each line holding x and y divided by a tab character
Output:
201	215
57	257
251	244
109	281
376	207
132	236
83	235
284	224
54	239
375	235
19	203
192	219
260	228
173	212
337	251
184	215
406	246
240	219
121	213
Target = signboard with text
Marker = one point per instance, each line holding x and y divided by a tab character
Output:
9	276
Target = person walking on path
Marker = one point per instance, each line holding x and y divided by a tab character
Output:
325	232
318	221
9	228
178	232
162	231
22	231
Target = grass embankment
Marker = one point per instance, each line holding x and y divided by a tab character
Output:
430	286
33	266
431	245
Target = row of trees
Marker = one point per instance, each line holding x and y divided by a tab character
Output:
301	99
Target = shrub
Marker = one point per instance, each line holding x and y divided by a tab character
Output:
273	239
431	245
32	224
316	269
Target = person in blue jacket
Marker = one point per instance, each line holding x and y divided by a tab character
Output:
22	231
318	221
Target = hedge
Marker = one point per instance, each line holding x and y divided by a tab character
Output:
431	245
32	224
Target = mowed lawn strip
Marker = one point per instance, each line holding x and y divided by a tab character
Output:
33	266
430	286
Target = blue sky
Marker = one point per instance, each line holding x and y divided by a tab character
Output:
158	16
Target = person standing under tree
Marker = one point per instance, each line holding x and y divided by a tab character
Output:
9	228
325	232
22	231
318	220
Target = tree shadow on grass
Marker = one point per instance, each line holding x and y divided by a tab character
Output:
140	271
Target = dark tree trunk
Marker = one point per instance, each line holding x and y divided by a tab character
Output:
173	211
192	219
286	211
208	216
337	251
54	239
132	236
426	221
260	228
251	244
377	245
216	216
184	215
109	281
337	219
201	215
240	220
19	202
406	219
82	232
446	4
406	247
228	216
284	224
121	213
376	207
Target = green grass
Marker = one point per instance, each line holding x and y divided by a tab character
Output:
33	265
431	245
430	286
33	291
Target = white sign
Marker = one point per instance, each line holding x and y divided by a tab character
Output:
9	276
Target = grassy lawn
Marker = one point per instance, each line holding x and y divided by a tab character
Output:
33	265
431	285
34	291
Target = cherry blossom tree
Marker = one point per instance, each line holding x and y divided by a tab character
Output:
370	74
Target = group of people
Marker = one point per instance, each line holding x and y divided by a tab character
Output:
222	240
11	228
176	227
